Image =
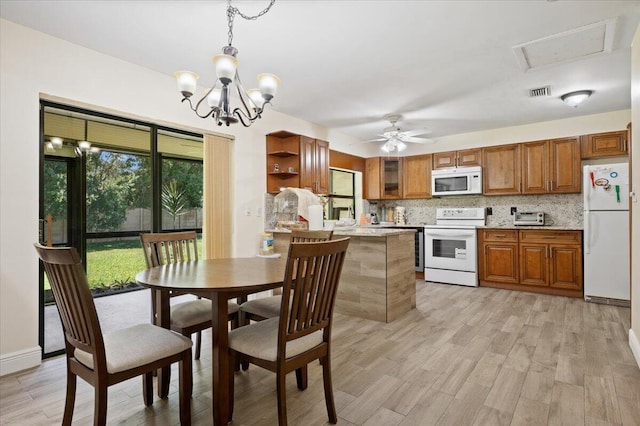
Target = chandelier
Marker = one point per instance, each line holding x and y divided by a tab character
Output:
217	98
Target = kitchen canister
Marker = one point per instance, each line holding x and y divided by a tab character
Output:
266	248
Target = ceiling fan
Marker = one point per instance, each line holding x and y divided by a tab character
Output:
394	138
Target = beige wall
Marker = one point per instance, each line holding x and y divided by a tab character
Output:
33	64
634	334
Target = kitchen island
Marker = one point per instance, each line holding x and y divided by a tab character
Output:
378	277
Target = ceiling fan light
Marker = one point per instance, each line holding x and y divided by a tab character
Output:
576	98
401	146
388	146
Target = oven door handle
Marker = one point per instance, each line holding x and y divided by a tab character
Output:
450	234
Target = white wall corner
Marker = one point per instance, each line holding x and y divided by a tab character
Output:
21	360
634	343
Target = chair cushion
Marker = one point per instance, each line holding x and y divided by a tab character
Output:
266	307
194	312
135	346
260	340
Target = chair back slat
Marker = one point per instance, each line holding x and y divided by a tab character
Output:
169	247
73	298
303	236
310	287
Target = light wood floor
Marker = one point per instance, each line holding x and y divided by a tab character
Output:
465	356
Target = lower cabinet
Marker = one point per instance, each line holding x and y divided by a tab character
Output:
540	261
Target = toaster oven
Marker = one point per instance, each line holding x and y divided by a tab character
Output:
528	218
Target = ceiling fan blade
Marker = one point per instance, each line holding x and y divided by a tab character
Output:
375	140
417	140
416	132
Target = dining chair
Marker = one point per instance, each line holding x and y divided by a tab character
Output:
302	331
104	360
191	316
269	307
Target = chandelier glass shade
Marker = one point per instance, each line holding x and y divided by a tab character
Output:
216	102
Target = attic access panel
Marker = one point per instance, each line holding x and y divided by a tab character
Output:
579	43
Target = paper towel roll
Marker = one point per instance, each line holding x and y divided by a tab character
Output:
315	218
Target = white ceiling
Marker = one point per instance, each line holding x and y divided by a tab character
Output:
448	66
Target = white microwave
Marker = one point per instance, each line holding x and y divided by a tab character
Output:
457	181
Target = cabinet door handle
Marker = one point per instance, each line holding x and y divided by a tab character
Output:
500	235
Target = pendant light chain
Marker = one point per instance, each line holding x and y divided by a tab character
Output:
232	11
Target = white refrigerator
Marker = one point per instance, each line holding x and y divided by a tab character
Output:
606	232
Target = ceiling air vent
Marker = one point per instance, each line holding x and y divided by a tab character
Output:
540	91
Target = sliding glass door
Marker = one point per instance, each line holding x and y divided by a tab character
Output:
105	180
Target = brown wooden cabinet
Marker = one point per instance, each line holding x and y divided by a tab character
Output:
551	258
297	161
604	144
383	179
501	170
416	176
462	158
391	178
372	179
546	261
551	167
498	255
314	165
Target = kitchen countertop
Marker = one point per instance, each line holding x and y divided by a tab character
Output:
360	231
541	228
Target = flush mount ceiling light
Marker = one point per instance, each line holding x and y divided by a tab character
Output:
576	98
217	97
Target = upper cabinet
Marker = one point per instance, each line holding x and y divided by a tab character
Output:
314	165
463	158
416	176
297	161
551	167
391	174
372	179
604	144
501	171
397	178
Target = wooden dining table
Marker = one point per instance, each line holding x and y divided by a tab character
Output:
218	280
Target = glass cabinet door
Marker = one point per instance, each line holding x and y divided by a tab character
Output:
391	178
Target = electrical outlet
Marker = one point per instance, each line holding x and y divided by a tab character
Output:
259	212
513	210
489	211
247	211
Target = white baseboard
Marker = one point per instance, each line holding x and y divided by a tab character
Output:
634	343
21	360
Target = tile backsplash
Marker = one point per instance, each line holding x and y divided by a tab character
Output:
563	210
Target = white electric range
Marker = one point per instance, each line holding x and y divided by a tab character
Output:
450	246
